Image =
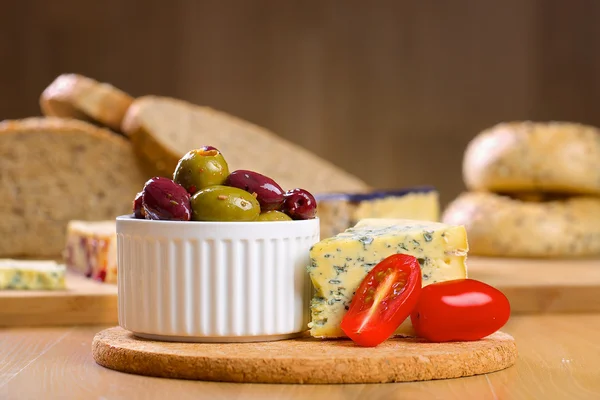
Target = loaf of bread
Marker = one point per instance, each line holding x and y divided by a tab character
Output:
164	129
54	170
79	97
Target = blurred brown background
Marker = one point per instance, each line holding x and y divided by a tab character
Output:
390	90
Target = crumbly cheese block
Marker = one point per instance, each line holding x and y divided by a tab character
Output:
31	275
339	211
340	263
92	249
544	227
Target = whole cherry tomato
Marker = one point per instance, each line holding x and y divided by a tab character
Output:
459	310
383	300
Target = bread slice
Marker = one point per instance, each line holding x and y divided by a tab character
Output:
164	129
79	97
54	170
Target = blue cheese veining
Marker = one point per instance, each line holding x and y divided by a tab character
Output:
340	263
31	275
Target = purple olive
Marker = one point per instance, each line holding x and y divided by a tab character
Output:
138	210
164	199
268	193
299	204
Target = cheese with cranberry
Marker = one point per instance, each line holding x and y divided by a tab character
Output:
92	249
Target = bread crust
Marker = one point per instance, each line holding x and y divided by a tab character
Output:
502	226
557	157
164	129
80	97
56	124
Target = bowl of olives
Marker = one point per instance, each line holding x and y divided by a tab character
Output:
215	256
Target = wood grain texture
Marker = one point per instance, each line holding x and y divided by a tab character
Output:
84	302
411	81
542	286
560	361
304	360
551	365
18	350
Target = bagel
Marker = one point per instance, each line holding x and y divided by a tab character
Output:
557	157
502	226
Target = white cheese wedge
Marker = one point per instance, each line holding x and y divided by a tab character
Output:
31	275
340	263
92	249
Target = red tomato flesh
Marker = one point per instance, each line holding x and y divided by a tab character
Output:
459	310
383	300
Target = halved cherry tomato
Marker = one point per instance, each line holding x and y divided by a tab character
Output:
459	310
383	300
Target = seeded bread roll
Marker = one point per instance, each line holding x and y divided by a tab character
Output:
527	156
53	171
506	227
79	97
164	129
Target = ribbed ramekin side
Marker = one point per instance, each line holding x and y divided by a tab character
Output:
206	287
121	280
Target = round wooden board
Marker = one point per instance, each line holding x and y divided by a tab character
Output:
303	360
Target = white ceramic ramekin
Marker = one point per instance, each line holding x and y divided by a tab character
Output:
214	281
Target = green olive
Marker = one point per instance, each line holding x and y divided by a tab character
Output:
273	216
224	203
201	168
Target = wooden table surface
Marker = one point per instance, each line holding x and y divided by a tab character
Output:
559	358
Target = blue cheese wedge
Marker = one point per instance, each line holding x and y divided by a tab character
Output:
340	263
339	211
31	275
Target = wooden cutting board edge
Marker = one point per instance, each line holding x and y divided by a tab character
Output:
535	286
563	286
85	302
